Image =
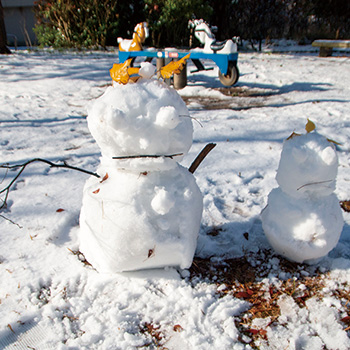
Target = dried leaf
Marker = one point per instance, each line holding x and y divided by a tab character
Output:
345	205
244	295
174	67
150	253
293	134
96	191
335	142
310	126
119	72
177	328
59	210
104	178
345	319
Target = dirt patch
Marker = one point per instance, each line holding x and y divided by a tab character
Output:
241	98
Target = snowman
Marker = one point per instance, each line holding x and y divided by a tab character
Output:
145	209
303	219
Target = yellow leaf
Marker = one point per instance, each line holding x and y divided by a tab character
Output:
310	126
119	72
174	67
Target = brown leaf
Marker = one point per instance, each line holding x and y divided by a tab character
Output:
59	210
177	328
96	191
244	295
150	253
174	67
104	178
346	319
334	142
293	134
345	205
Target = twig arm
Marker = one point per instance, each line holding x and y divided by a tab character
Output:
6	190
200	157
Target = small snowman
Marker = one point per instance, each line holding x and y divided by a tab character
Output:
145	209
303	219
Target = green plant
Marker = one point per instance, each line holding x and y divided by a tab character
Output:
168	20
83	23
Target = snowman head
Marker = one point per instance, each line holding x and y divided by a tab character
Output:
308	166
141	119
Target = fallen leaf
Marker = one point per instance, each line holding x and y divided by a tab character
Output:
310	126
59	210
345	319
345	205
335	142
96	191
293	134
104	178
177	328
244	295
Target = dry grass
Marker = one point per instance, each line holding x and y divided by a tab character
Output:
245	281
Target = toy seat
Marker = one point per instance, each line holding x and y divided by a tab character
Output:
217	45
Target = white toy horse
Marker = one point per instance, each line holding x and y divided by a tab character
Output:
135	44
204	34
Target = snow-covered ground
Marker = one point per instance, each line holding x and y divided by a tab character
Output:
238	294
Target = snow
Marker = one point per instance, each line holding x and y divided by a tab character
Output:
303	220
146	211
50	299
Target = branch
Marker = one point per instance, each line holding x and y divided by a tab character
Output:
6	190
200	157
313	183
149	156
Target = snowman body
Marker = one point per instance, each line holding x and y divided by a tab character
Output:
145	209
303	220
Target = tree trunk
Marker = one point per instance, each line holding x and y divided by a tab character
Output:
3	48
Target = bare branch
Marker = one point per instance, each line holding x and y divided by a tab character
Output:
6	190
149	156
200	157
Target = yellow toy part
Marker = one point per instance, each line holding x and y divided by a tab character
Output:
135	44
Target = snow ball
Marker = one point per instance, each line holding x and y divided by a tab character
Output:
329	156
302	230
138	119
140	220
162	201
308	166
167	117
147	70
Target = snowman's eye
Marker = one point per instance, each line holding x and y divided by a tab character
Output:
299	155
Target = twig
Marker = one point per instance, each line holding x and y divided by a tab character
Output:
6	190
149	156
200	157
313	183
12	222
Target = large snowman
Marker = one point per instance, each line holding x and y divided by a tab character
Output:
303	219
145	209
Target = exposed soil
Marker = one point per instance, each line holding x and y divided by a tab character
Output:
242	98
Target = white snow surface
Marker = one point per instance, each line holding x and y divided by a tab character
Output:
49	299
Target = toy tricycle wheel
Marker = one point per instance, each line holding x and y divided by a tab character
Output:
231	77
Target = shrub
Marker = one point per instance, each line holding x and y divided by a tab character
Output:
83	23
